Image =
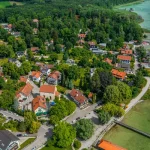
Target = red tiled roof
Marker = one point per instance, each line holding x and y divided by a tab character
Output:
90	95
122	57
82	35
106	145
39	101
126	52
23	79
36	74
109	61
33	49
55	75
118	74
78	96
48	89
26	90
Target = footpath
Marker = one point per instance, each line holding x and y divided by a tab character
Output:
101	130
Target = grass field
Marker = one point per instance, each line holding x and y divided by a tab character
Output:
4	4
3	61
139	118
27	142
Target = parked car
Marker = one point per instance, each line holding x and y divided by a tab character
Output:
10	118
19	135
77	118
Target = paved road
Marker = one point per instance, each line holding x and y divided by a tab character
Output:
12	115
99	129
80	113
43	134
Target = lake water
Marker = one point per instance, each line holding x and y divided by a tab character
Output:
143	9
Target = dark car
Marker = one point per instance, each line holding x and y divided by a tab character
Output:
19	135
10	118
77	118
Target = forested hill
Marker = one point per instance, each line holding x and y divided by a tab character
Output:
102	3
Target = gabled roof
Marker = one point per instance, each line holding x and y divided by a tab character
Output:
82	35
6	138
39	101
118	74
126	52
23	79
55	75
122	57
106	145
26	90
78	96
107	60
33	49
36	74
48	89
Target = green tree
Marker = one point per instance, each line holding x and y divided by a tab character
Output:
77	144
125	91
103	116
112	94
139	79
22	127
29	117
34	127
84	128
64	134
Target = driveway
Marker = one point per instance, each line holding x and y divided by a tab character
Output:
43	135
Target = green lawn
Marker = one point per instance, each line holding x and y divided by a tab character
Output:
56	148
4	4
139	118
27	142
2	119
3	61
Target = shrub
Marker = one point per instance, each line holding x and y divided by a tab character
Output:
77	144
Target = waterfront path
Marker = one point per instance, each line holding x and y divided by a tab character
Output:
101	130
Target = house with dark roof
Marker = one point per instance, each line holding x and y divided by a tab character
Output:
8	141
54	78
49	91
39	105
79	98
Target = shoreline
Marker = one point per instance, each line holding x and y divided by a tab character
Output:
128	4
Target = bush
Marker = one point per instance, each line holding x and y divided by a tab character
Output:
104	116
113	110
77	144
146	95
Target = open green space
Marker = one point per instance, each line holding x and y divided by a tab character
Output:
4	4
56	148
139	118
27	142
